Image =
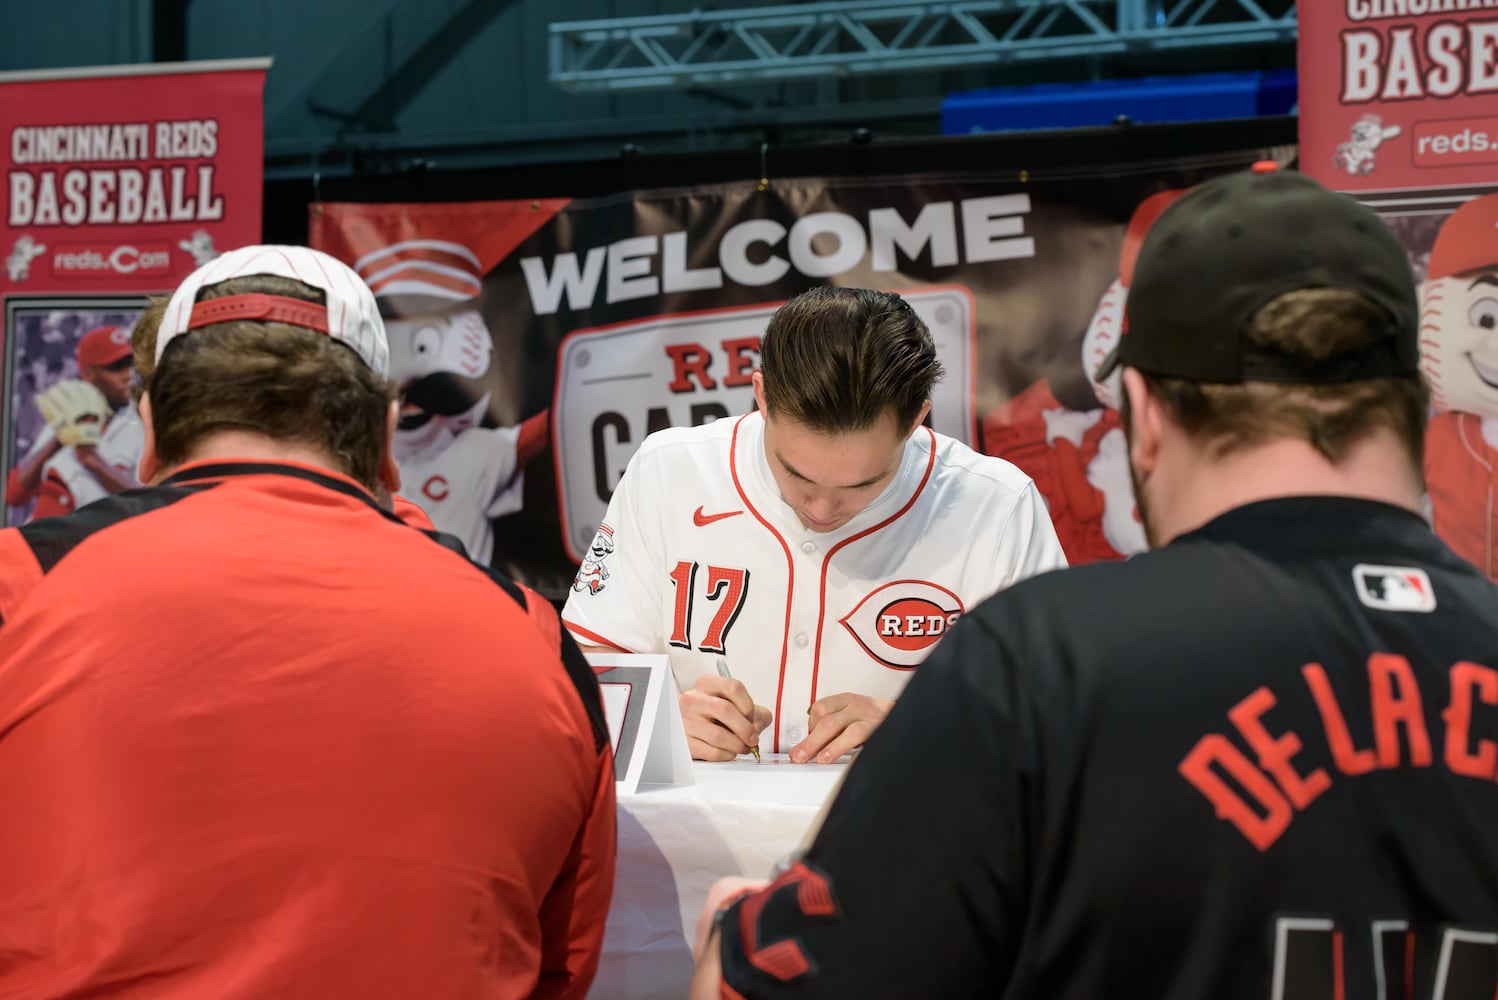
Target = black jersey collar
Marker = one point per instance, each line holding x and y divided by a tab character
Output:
227	470
1308	521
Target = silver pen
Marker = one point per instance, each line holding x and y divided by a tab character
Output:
723	672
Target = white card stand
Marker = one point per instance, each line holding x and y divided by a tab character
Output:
644	720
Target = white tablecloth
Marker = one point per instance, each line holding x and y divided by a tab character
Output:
739	819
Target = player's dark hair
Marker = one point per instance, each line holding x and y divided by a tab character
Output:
143	340
285	382
839	359
1314	325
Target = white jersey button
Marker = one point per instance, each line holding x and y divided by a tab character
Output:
793	734
808	547
801	640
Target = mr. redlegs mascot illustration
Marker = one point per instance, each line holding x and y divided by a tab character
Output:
460	472
1459	355
1079	460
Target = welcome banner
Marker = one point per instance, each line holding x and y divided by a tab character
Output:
538	342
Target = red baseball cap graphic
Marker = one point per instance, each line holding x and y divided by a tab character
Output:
435	268
103	345
1139	226
1468	240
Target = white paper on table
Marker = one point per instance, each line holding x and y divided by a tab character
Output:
740	818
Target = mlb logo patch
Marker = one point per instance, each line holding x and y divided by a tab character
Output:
1394	588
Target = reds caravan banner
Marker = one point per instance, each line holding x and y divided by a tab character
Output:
538	342
1399	93
119	182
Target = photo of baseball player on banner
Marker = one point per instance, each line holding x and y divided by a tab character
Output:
70	431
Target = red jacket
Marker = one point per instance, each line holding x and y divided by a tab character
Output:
262	739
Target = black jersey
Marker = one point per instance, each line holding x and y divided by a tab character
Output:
1257	763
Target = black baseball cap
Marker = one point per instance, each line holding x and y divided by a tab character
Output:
1234	244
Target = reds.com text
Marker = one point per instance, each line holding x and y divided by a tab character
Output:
1455	142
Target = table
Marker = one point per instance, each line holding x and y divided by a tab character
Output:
674	843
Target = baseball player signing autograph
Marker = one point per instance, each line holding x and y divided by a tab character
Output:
1257	762
820	546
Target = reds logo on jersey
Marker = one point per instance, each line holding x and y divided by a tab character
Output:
899	623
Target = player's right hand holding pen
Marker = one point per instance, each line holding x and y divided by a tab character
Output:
721	719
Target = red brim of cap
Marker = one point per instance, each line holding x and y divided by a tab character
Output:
105	352
1474	261
115	352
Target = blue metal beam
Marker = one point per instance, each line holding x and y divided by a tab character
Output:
846	39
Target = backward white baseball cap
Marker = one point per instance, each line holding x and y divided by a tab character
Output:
350	315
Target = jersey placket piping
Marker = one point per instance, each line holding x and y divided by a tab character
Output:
816	659
790	569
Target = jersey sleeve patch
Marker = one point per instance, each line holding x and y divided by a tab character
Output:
593	575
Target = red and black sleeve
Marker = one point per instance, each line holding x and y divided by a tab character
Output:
916	884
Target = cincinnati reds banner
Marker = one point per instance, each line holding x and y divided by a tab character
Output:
538	342
1399	107
1399	94
125	179
119	181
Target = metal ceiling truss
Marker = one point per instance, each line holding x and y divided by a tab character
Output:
846	39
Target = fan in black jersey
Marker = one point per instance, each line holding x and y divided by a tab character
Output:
1256	762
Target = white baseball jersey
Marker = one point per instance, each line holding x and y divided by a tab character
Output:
465	484
699	557
82	486
44	437
120	445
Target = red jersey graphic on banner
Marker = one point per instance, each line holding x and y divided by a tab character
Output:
1391	99
1459	356
1079	460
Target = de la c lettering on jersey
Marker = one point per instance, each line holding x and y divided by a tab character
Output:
698	556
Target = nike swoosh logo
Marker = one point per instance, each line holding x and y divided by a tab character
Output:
703	520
